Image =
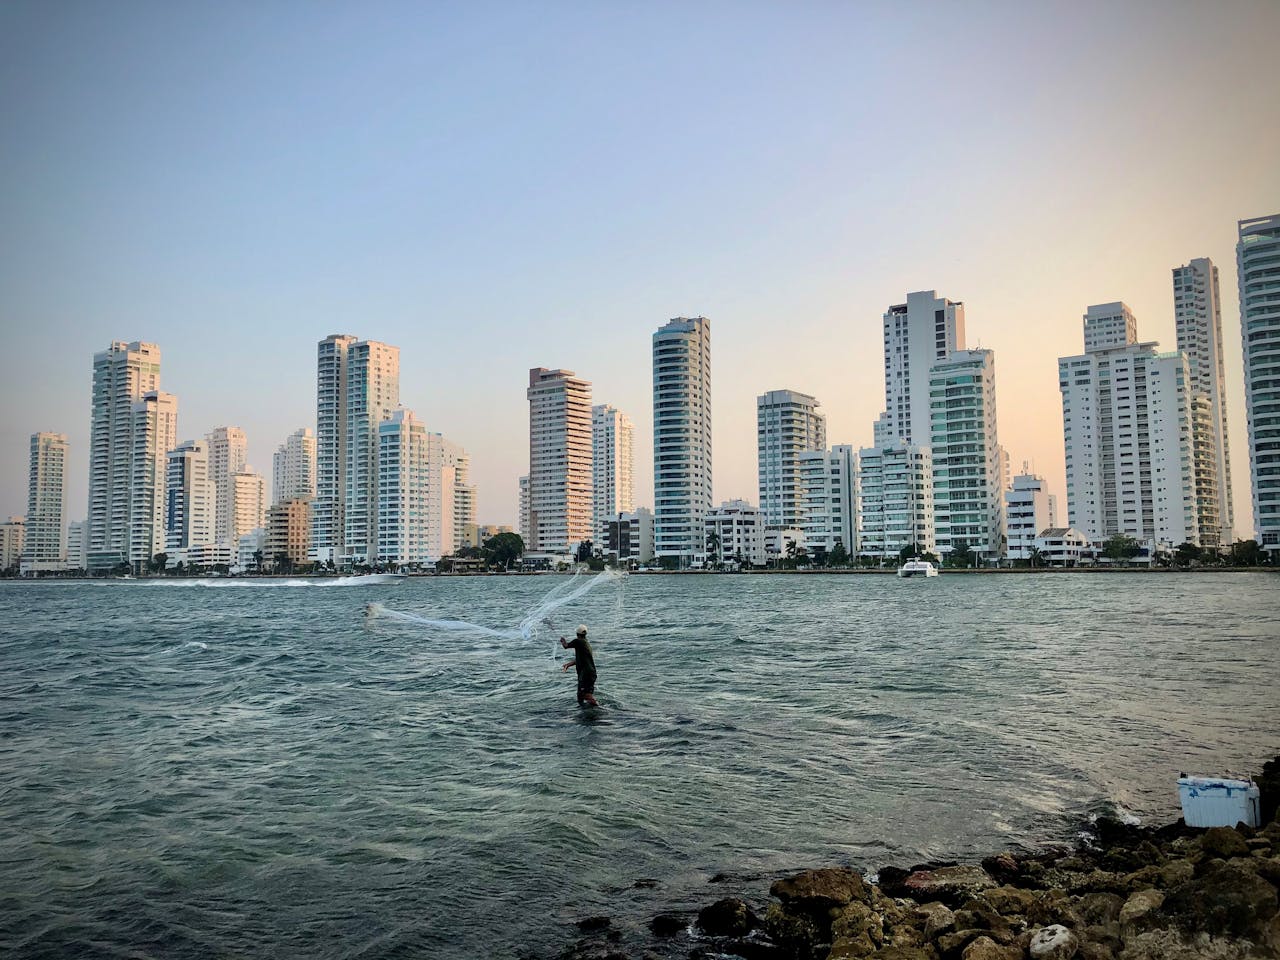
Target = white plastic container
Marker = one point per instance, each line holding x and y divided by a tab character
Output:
1219	802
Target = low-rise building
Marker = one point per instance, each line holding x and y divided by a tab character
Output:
1062	547
734	531
1027	512
13	534
629	536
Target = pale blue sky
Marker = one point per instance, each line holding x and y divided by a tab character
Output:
494	186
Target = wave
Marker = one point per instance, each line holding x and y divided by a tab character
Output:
362	580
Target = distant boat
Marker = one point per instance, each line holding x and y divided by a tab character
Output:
915	567
373	579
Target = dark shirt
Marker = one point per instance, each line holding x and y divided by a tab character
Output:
584	659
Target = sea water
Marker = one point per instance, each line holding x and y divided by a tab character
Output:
263	772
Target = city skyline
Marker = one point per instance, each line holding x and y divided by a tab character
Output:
1030	207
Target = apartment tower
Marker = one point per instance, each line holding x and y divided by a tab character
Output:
45	546
228	456
293	467
1198	321
612	469
917	334
328	517
189	500
1258	270
787	424
681	438
373	394
122	374
560	467
968	461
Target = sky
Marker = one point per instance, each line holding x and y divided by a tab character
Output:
498	186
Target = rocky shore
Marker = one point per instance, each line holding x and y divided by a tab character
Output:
1124	893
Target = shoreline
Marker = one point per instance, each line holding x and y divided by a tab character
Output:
810	572
1125	892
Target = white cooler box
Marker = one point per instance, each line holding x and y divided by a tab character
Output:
1219	802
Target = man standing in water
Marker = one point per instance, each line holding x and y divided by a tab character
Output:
585	661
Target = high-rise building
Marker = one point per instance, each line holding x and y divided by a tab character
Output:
559	460
12	535
612	469
121	375
155	433
1258	269
293	467
1198	320
1027	514
895	489
682	471
328	517
189	500
426	504
45	547
1127	431
828	499
228	455
248	503
968	461
917	334
288	532
373	394
787	424
76	533
525	534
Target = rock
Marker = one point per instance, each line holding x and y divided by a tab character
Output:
1094	908
1269	791
594	923
951	885
951	944
980	915
1140	906
890	881
1271	831
1228	901
751	950
1268	869
1009	900
851	948
667	924
729	917
1055	942
1002	867
1054	907
1106	934
1224	842
1258	843
1175	872
857	921
984	948
820	890
798	934
903	953
1095	951
938	920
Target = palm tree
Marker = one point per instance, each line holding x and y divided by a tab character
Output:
713	547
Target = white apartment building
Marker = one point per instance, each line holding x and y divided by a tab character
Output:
895	489
1198	320
1109	325
738	530
293	467
787	425
523	528
828	499
248	503
328	516
968	461
629	536
155	433
246	551
682	471
1258	269
1063	547
77	530
1126	414
1027	513
453	457
404	531
559	461
122	374
612	468
189	501
228	455
12	535
45	546
373	394
917	334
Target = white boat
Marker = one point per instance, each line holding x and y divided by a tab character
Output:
373	579
915	567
